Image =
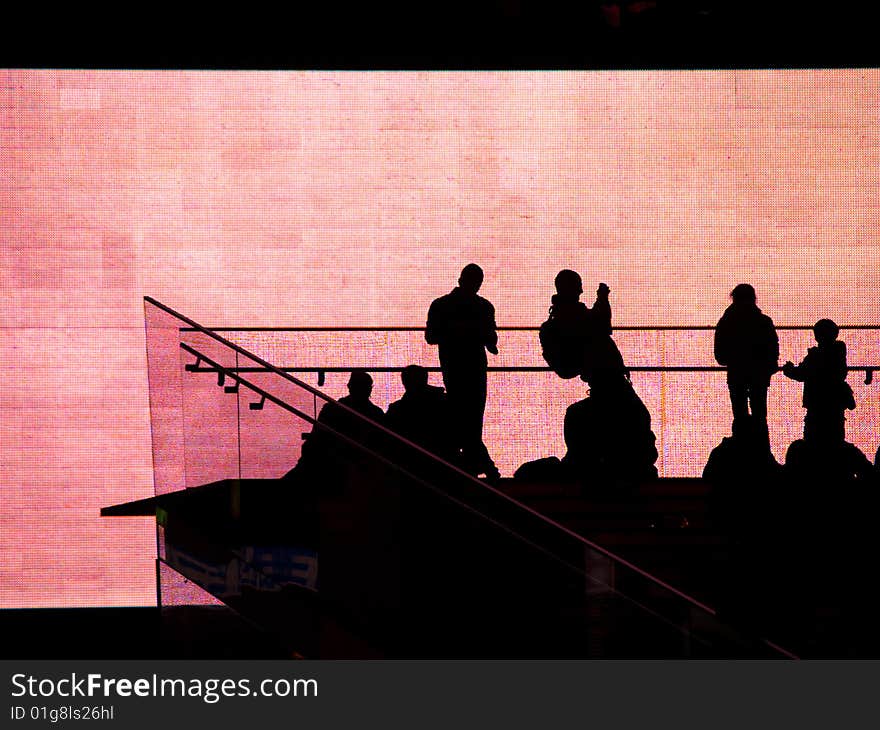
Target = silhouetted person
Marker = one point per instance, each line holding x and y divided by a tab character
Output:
832	489
827	462
831	482
422	414
324	454
609	436
576	340
743	475
824	456
746	342
462	325
746	505
741	457
360	388
826	393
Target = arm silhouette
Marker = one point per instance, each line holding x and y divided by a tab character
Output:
491	333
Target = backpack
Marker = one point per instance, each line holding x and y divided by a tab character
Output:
562	350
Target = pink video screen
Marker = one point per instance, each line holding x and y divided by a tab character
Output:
293	200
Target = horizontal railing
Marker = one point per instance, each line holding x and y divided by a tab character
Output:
867	369
320	370
624	328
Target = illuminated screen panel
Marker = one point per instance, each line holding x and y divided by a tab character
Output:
333	199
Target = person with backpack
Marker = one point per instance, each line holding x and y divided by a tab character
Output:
826	393
576	340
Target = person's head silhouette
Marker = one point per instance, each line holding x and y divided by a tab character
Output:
825	331
360	385
568	284
743	294
414	378
471	279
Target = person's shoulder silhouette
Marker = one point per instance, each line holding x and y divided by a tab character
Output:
422	415
328	448
462	321
744	455
827	462
745	337
360	388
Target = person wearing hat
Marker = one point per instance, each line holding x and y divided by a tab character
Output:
826	393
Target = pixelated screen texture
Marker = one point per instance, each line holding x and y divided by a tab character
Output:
329	199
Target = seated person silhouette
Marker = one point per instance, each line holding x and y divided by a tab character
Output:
747	344
743	456
826	393
609	436
743	474
827	464
422	414
575	339
324	454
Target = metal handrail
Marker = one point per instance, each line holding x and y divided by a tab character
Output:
517	328
509	369
320	370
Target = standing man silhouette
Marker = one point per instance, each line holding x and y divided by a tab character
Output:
462	325
746	342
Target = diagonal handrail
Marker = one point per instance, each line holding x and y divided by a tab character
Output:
461	473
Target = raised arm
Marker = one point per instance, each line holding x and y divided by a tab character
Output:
797	372
601	310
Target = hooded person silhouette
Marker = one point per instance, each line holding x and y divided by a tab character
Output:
826	393
823	456
747	344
